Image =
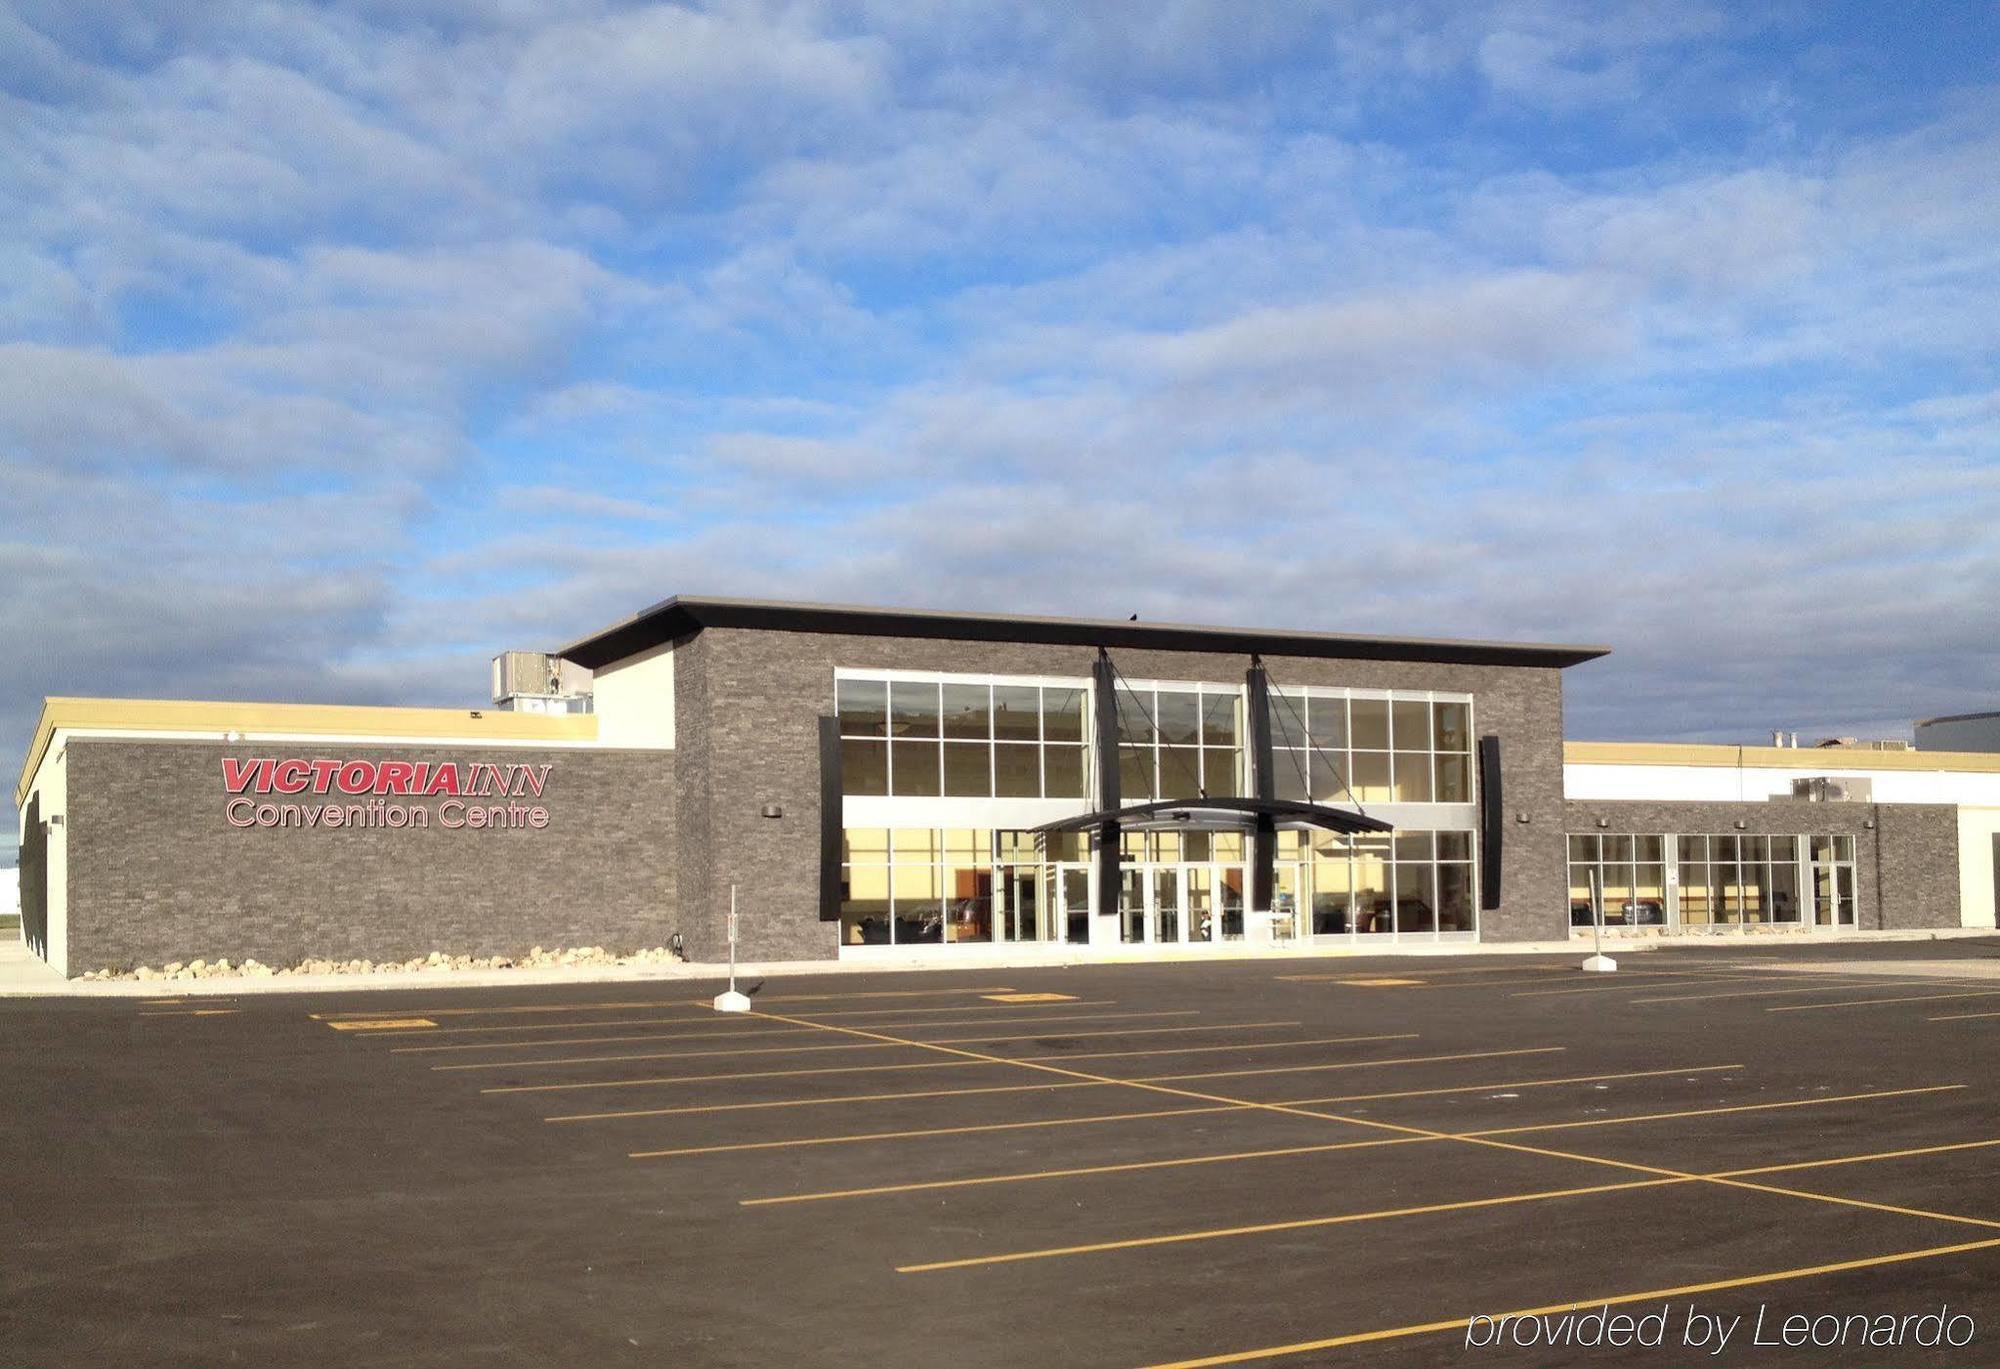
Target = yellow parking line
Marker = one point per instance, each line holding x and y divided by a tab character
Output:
1458	1322
935	1064
882	1045
1502	1200
757	1034
1490	1142
819	1102
1869	1002
1962	1017
1835	987
1620	980
814	1015
191	1012
642	1003
1340	1065
1227	1157
1422	969
1098	1117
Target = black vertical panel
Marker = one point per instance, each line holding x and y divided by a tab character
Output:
1264	785
34	874
1104	701
829	819
1492	828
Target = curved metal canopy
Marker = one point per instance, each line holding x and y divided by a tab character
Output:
1172	815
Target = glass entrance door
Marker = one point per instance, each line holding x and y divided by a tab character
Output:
1068	902
1833	881
1168	888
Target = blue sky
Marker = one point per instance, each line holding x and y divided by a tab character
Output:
347	344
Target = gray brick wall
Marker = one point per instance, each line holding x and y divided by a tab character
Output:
748	702
157	874
1905	866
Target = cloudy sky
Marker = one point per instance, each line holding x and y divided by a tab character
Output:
343	345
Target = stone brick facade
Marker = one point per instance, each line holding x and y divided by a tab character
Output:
158	874
1905	854
747	703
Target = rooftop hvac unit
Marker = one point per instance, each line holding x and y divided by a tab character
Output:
534	681
1834	789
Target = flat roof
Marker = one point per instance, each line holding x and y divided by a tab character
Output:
1823	759
200	718
1958	718
682	615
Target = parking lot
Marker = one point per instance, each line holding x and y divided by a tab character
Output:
1275	1161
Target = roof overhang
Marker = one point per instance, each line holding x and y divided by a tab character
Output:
1209	815
672	619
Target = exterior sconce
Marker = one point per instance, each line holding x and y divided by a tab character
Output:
1522	818
1604	822
1741	824
771	810
1868	823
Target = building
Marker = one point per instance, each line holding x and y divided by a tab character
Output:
881	783
1959	732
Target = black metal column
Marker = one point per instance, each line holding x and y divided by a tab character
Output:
1263	785
1104	697
1492	828
830	819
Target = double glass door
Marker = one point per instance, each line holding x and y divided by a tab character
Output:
1180	904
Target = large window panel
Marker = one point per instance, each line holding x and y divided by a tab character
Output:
1368	725
864	767
1017	770
1017	713
863	706
914	768
968	711
913	709
968	769
1062	715
1065	770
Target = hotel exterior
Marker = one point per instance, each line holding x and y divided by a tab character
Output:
884	783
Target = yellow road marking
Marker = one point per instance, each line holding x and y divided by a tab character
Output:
1502	1200
1618	982
982	1180
1424	969
939	1064
1869	1002
883	1045
1084	1082
1136	1116
1031	997
1379	983
747	1026
1835	987
816	1102
1457	1323
1339	1065
191	1012
383	1024
762	1032
1490	1142
642	1004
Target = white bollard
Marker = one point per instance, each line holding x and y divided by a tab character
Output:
732	1001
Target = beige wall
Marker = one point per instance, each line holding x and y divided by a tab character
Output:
634	700
1976	830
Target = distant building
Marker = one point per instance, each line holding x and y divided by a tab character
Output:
1960	732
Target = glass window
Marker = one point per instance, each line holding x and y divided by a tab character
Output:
1412	719
1368	723
1135	723
1413	777
1065	769
1017	770
1288	719
1290	773
1180	772
1454	895
864	767
913	709
1135	775
863	706
1451	726
1416	898
1062	715
1178	716
1220	769
968	769
1454	845
968	711
1453	779
1370	776
1326	723
1221	719
913	768
1017	713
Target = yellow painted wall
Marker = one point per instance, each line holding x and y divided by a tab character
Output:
634	700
